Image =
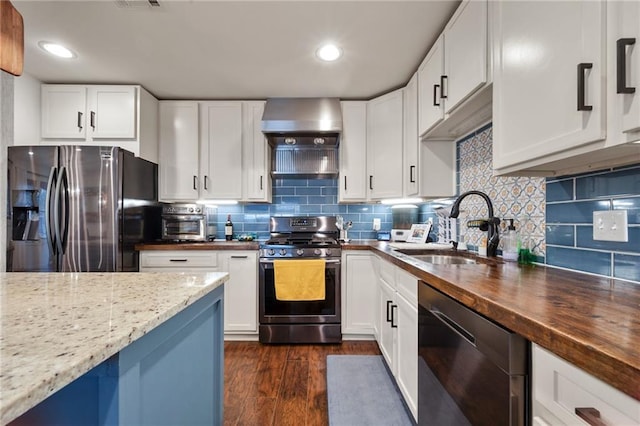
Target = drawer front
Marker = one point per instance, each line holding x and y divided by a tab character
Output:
387	272
178	259
561	387
407	286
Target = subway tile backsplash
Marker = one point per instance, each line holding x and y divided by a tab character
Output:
571	201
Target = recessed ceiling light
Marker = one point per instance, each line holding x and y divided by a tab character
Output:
56	49
329	52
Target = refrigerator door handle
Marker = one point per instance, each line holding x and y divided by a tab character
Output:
62	233
51	186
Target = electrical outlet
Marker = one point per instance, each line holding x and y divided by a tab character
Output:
610	225
376	224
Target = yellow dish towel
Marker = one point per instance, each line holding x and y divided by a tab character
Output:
299	279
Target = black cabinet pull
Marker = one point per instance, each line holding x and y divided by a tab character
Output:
79	120
389	318
393	324
195	182
371	182
412	170
345	183
205	182
260	183
435	95
92	120
443	78
582	106
178	260
621	64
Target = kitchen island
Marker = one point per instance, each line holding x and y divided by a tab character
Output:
110	348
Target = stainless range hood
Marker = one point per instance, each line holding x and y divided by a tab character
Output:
304	134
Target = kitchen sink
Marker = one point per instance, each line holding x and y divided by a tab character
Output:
440	259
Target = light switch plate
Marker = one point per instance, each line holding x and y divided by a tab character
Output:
610	225
376	224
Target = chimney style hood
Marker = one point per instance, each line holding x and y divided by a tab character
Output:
304	134
307	118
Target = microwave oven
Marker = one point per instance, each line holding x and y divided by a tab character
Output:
184	222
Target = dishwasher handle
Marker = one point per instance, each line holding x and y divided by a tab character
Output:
457	328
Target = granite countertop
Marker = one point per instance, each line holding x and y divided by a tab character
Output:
57	326
592	322
205	245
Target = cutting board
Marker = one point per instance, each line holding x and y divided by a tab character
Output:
11	39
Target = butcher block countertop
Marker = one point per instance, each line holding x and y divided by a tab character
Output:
54	327
592	322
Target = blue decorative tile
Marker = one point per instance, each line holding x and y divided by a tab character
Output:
632	205
621	182
578	212
560	190
256	208
562	235
308	190
360	208
293	200
321	199
585	239
323	182
594	262
329	190
626	267
284	190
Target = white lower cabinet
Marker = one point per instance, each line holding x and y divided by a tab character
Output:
358	294
240	292
398	330
561	391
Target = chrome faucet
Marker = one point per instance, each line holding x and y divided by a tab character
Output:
493	237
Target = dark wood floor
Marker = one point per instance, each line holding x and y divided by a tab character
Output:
280	384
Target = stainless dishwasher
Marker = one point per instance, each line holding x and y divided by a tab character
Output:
471	371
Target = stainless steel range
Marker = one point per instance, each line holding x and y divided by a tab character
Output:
300	321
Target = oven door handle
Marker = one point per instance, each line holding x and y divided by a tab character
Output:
328	261
457	328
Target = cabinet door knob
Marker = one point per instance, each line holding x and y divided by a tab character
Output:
582	106
621	64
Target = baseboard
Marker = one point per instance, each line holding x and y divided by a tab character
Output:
232	337
358	337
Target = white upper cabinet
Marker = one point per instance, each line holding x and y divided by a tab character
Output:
626	31
465	53
119	115
549	91
221	150
256	154
411	170
64	109
454	94
178	168
352	184
430	79
384	146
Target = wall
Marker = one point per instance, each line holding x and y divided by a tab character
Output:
571	201
26	110
6	139
304	197
518	198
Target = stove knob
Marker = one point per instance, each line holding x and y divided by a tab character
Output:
271	252
283	252
317	252
299	252
190	209
328	252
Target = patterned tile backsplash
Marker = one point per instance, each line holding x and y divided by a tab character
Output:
571	201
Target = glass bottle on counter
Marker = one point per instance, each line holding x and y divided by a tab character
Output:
228	229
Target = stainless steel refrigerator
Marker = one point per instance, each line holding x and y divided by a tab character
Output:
79	208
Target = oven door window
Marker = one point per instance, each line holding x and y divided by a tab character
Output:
274	307
182	226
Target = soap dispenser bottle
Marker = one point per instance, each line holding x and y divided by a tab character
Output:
510	240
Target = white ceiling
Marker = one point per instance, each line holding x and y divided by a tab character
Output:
234	49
